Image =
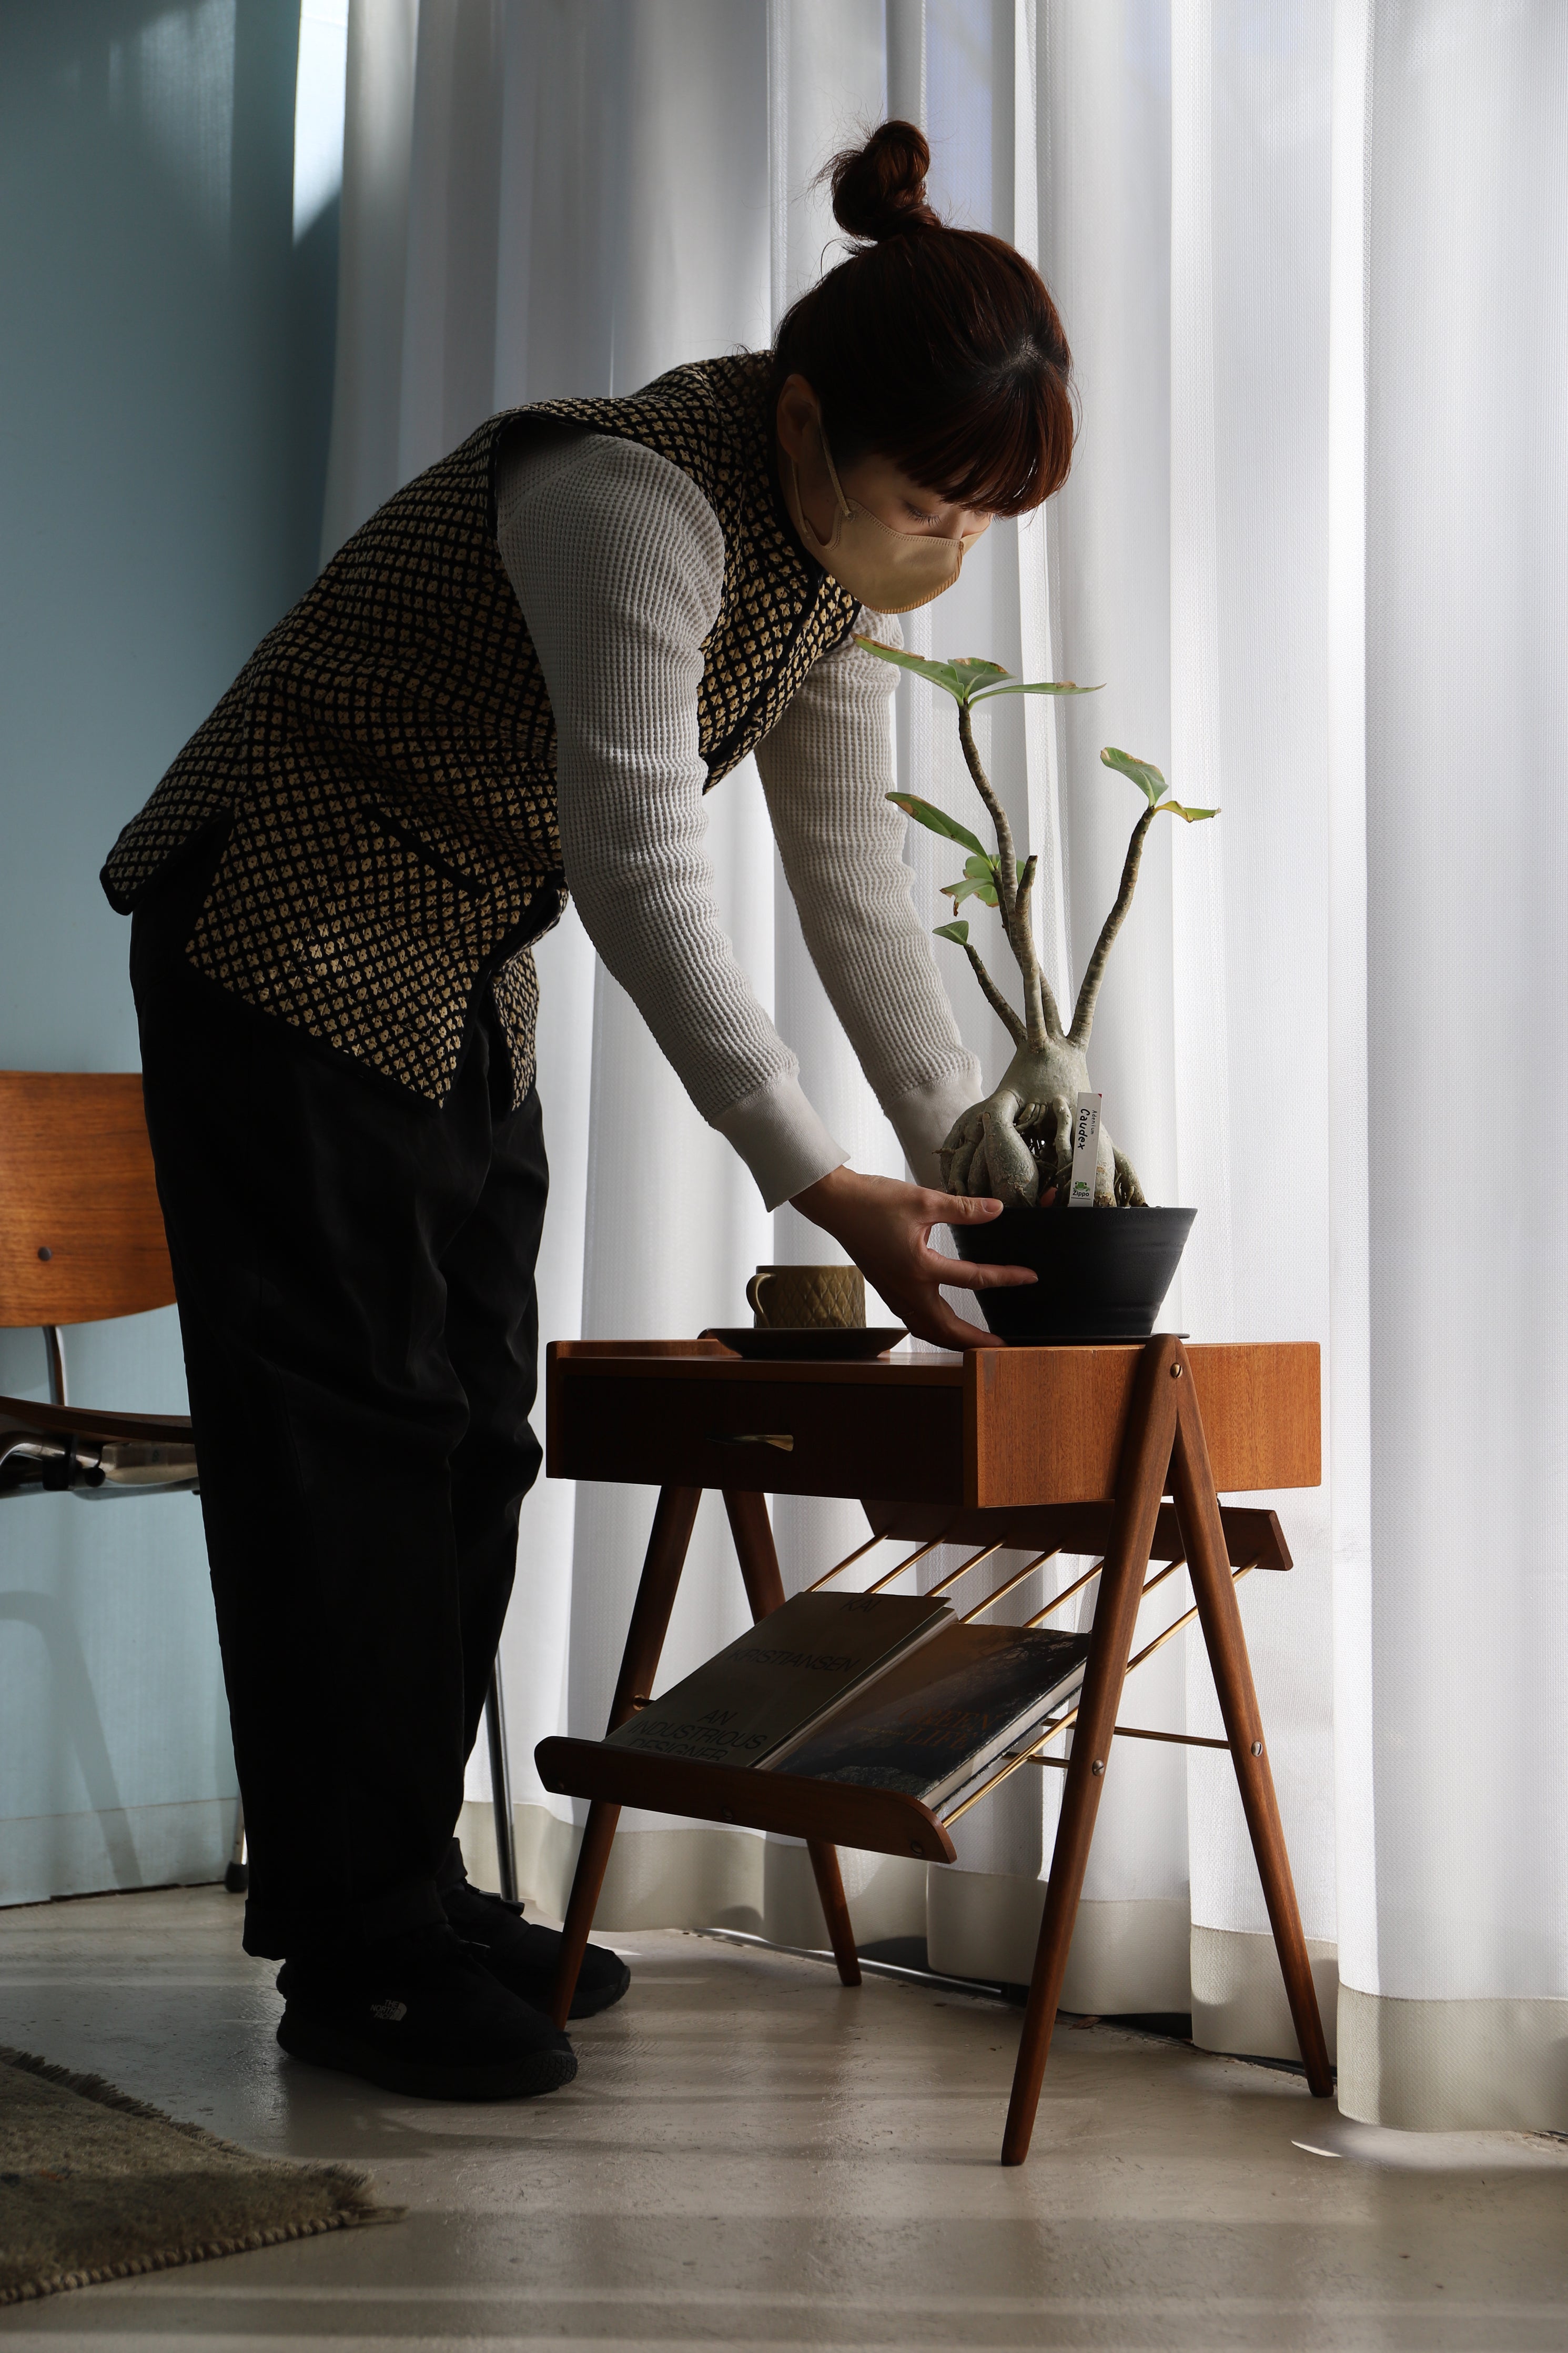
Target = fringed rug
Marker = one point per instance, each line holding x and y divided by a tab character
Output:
95	2186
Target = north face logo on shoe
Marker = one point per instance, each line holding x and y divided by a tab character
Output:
391	2010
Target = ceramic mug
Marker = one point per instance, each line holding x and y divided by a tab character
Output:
799	1298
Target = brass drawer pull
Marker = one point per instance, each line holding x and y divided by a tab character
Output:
783	1439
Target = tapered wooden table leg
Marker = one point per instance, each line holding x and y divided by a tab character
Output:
1140	1485
753	1535
673	1519
1214	1592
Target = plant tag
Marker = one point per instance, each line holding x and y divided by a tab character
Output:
1085	1152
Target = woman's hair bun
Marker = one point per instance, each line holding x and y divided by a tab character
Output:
880	190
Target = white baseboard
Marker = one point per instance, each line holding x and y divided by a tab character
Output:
1239	1994
46	1855
699	1875
1454	2066
1124	1955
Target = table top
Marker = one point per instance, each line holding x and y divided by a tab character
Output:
994	1427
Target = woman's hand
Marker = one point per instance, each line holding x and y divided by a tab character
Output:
885	1229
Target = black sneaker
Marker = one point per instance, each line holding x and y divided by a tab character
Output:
524	1957
421	2014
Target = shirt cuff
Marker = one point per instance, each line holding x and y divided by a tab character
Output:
781	1139
922	1118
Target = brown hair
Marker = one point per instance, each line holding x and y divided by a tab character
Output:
939	348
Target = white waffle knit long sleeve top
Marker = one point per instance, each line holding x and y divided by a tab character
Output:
617	563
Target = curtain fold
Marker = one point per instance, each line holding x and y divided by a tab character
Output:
1311	264
1458	1953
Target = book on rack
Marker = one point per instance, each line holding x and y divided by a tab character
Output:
783	1677
933	1723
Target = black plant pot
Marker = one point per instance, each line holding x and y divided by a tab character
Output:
1103	1273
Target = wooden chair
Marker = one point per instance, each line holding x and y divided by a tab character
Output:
82	1240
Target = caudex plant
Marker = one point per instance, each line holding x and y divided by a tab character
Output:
1017	1145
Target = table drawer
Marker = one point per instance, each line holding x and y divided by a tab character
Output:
832	1436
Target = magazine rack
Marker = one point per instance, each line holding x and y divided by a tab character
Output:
1051	1450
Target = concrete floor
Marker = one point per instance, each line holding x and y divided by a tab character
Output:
751	2157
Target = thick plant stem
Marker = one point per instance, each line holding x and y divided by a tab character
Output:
1013	897
1050	1020
996	1000
1088	995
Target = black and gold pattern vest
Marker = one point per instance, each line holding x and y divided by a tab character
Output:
386	758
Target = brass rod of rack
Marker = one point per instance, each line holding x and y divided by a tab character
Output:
1027	1755
962	1571
1179	1739
1008	1583
1185	1618
848	1562
908	1562
1169	1571
1066	1593
1088	1578
1135	1732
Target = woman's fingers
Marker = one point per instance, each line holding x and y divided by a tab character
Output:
929	1317
950	1211
885	1225
963	1275
943	1329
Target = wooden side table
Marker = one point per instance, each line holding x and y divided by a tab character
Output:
1069	1449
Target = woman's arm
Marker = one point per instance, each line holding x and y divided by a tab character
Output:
617	562
828	769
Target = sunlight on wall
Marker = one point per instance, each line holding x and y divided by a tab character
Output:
175	76
165	384
318	109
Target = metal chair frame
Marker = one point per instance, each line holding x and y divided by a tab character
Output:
59	1450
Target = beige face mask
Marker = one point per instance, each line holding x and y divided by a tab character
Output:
891	571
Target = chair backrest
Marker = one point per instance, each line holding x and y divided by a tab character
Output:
81	1233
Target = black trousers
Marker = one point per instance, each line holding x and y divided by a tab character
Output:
355	1277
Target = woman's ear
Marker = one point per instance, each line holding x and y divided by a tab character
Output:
799	417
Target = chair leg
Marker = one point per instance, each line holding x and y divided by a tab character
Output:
1140	1485
1214	1592
673	1520
753	1535
592	1861
500	1784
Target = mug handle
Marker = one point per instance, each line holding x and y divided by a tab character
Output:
753	1296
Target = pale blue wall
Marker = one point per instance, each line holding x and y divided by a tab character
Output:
166	365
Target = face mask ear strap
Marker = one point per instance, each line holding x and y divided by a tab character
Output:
832	471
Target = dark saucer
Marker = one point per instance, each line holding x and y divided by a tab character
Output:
809	1344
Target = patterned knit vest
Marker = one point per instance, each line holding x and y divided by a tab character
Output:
386	759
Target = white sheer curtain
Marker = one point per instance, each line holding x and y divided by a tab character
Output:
1311	262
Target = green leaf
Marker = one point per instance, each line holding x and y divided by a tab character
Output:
959	891
974	674
969	678
1193	816
937	821
1144	773
980	869
959	931
949	676
1036	686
